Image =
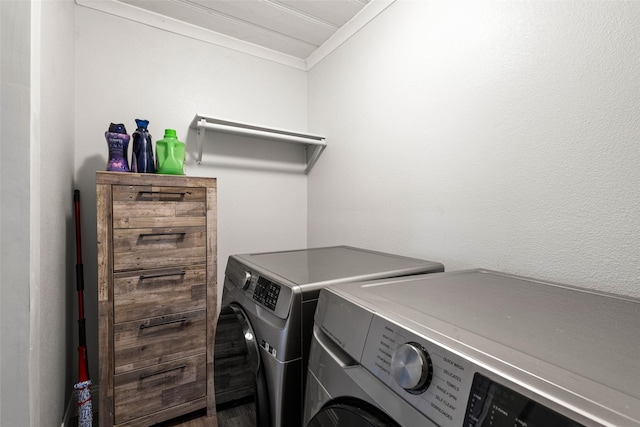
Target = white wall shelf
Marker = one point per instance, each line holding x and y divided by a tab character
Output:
314	144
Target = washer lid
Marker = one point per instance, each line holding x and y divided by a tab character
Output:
338	264
577	339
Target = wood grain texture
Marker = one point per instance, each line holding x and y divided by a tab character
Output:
146	342
144	391
105	303
143	194
171	413
119	178
157	297
237	416
148	248
212	294
159	291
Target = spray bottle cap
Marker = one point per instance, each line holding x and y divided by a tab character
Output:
117	128
142	124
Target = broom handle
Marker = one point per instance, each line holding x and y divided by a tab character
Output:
82	334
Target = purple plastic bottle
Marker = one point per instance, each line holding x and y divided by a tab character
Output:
118	142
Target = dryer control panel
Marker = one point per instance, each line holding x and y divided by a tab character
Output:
275	298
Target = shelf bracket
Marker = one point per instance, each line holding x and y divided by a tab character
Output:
200	139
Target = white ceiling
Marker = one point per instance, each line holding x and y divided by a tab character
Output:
294	32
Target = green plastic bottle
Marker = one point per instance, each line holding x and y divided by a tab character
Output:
170	154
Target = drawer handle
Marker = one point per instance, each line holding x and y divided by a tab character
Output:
154	276
173	193
166	322
143	376
168	233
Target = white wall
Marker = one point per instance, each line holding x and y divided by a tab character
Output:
36	171
126	70
52	206
501	135
15	40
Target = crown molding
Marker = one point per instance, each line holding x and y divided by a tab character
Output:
373	9
152	19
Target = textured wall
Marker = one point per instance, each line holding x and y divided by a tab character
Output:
490	134
37	170
127	70
15	152
56	296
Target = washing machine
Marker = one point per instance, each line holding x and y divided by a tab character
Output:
265	325
473	348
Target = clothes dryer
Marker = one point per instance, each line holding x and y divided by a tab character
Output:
264	331
474	349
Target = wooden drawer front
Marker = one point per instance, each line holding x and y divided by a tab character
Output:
145	248
147	342
148	390
149	206
152	293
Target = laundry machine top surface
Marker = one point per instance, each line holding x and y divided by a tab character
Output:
337	264
568	344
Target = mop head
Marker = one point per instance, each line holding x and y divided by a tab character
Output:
85	412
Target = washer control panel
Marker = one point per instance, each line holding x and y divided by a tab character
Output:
448	388
429	377
411	367
266	293
493	404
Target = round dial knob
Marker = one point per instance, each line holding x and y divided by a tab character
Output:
246	281
411	367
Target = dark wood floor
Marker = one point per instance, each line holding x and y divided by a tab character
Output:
194	419
239	416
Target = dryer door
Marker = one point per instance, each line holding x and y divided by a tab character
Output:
351	414
240	385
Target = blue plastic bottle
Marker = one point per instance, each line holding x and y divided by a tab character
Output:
142	153
118	142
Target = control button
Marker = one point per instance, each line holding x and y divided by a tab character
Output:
246	281
266	293
411	367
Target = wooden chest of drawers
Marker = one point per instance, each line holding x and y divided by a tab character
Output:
157	296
